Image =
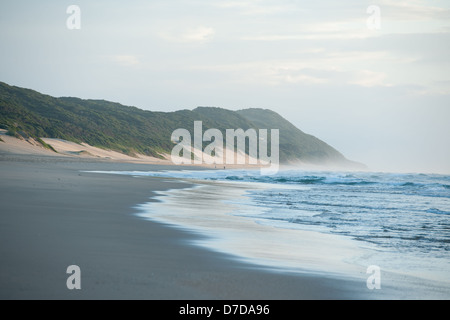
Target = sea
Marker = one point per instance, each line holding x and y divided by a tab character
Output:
325	222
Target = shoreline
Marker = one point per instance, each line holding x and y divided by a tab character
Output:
280	249
55	216
275	248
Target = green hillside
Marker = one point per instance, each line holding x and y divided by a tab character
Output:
109	125
295	143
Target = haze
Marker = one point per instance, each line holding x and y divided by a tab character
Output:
381	96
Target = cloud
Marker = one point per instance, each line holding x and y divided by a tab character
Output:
344	29
271	72
368	78
413	10
200	34
256	7
316	66
125	60
328	22
439	88
312	36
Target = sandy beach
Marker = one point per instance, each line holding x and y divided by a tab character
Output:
55	215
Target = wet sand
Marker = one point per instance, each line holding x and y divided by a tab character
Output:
54	215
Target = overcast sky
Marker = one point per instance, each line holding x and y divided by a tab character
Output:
379	93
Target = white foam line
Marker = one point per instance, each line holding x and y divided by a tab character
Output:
206	210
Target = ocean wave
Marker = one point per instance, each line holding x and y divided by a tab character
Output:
437	211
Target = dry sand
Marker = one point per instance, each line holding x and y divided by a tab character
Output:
69	149
54	215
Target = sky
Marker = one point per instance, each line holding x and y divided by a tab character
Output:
370	78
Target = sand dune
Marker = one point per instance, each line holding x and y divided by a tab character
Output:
84	150
21	146
71	149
